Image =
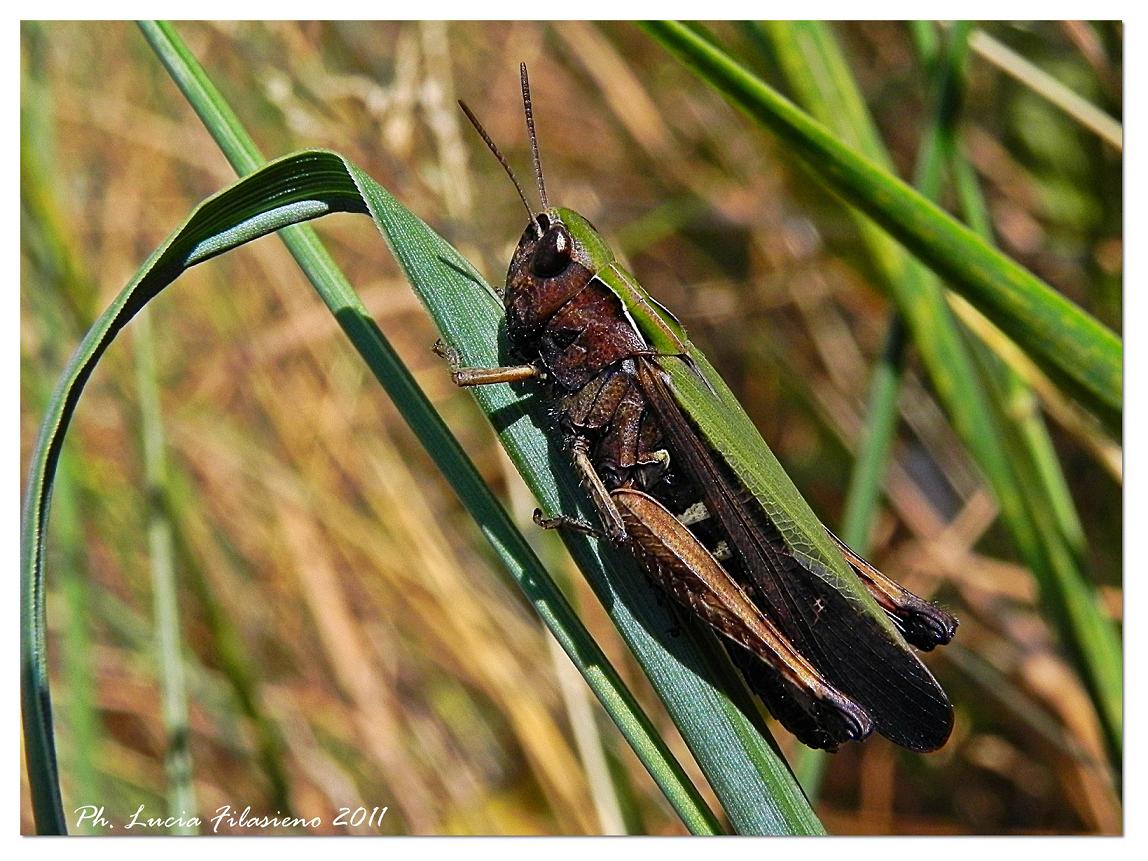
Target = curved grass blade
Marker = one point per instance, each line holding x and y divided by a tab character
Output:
218	225
724	732
1082	354
287	191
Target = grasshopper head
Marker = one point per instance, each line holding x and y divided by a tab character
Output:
559	252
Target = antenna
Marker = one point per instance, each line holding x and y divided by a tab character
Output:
501	160
533	136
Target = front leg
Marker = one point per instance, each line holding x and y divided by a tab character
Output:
484	376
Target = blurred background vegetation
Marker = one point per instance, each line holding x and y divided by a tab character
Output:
347	638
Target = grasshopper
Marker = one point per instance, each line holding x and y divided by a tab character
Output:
681	479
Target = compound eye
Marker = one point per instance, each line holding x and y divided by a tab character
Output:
552	255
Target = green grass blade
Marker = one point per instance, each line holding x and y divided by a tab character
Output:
967	377
1018	397
1083	355
214	111
1067	594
